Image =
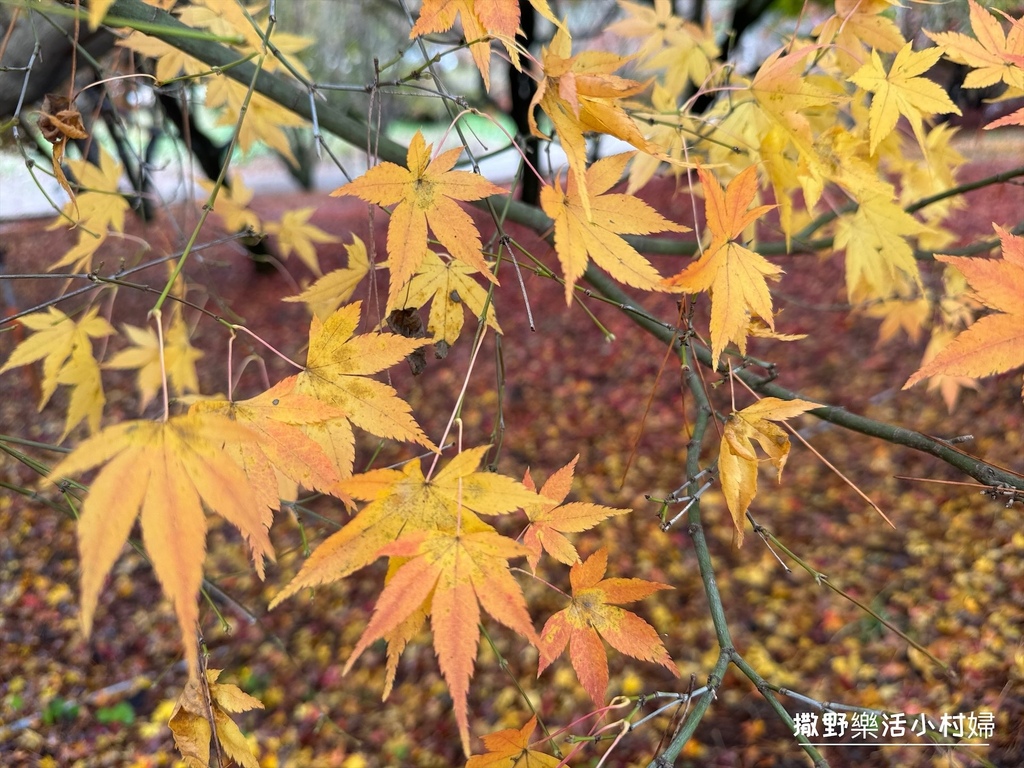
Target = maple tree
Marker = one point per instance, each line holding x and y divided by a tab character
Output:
820	151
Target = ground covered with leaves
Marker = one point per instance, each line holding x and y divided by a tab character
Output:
950	574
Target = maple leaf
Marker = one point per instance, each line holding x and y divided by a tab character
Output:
337	372
170	62
402	501
98	11
993	343
948	386
82	373
232	206
60	342
593	614
425	194
480	19
737	459
179	360
100	205
907	314
80	256
510	748
551	519
295	233
734	275
788	96
264	120
277	418
856	24
579	94
190	723
454	573
335	288
878	256
902	91
994	56
451	289
596	234
167	471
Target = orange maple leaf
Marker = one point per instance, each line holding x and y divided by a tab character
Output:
425	194
579	94
403	501
167	471
591	615
453	573
480	19
337	373
737	460
550	519
993	343
993	57
510	748
277	418
734	275
596	234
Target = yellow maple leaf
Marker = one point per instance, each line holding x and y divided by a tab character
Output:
993	343
232	206
295	233
992	54
579	94
857	27
337	373
668	130
61	343
908	314
100	205
190	721
163	472
98	11
264	120
453	574
170	62
80	256
82	373
737	459
551	519
179	360
593	614
878	256
902	91
581	235
332	290
682	50
735	276
451	290
510	748
790	97
425	194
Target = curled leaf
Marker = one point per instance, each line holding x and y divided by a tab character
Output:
59	121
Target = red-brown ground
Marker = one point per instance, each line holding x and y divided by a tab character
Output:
950	575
